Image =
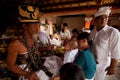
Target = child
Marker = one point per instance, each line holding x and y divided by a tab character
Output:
84	57
71	50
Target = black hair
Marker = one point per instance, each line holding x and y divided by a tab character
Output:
92	27
65	24
86	35
75	31
71	71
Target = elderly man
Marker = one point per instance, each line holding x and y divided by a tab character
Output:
23	57
107	42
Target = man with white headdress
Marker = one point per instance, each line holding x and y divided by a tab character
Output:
106	42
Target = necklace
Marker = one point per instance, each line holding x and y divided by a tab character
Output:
33	60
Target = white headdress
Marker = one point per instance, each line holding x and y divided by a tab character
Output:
103	11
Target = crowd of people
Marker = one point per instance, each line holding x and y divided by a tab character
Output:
88	56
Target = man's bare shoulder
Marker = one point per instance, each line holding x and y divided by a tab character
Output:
13	47
14	43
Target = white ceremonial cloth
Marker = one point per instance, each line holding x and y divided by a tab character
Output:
70	56
44	38
41	74
53	63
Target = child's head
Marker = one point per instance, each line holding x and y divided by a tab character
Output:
84	40
75	33
71	71
70	45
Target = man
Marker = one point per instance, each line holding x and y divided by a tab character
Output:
65	33
23	55
107	42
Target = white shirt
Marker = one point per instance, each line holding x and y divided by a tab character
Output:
54	41
44	38
65	34
70	55
92	33
107	44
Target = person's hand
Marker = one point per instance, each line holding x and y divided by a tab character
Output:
56	78
33	76
110	70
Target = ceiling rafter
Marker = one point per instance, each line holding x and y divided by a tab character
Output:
71	5
61	3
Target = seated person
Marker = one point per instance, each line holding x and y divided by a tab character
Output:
71	71
44	42
65	33
84	57
75	33
71	48
54	41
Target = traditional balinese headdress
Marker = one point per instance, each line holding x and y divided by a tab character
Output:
28	13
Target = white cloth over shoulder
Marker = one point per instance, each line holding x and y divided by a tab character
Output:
70	56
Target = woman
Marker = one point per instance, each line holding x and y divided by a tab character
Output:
84	57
